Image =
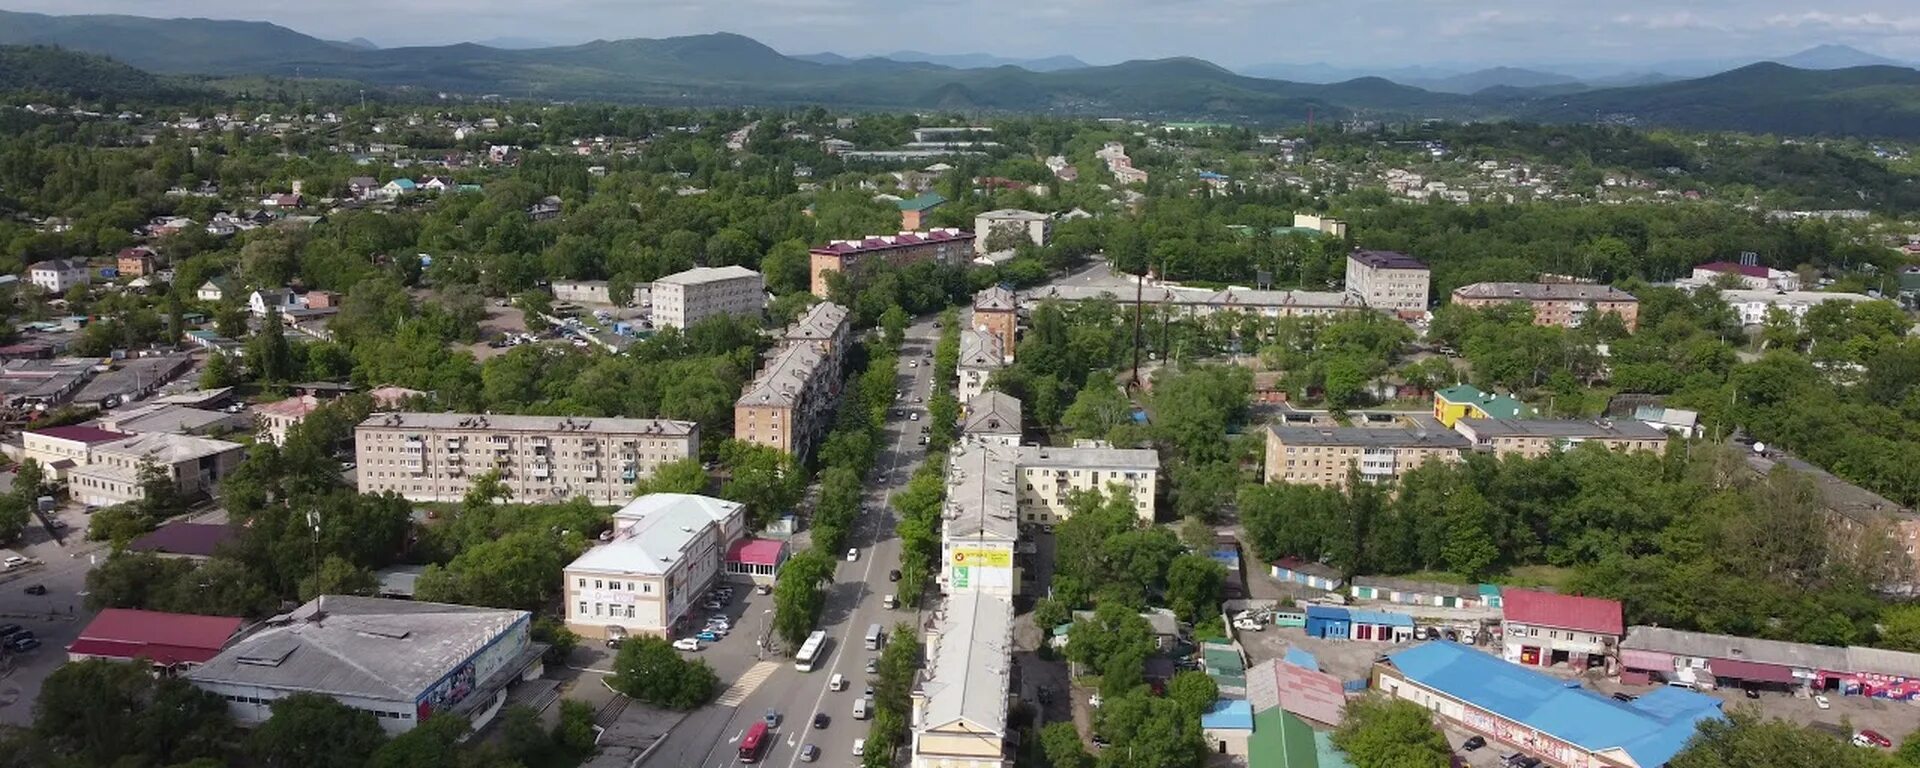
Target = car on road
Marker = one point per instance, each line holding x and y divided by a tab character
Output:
893	575
853	554
1473	743
37	589
713	605
889	602
809	753
820	720
915	416
708	636
9	630
773	718
1822	702
15	561
913	363
686	644
837	683
763	589
859	747
873	665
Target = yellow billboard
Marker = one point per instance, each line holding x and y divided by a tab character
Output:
977	557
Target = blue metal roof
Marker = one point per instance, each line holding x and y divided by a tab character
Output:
1228	714
1381	617
1651	729
1301	658
1328	612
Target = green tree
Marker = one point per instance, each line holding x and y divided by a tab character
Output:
649	669
1391	733
682	476
894	322
1747	740
431	744
337	576
1900	628
219	372
1195	689
269	355
797	595
99	712
309	730
1194	584
1060	742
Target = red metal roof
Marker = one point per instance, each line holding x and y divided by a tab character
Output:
81	433
165	638
1546	609
756	551
1751	670
888	242
200	539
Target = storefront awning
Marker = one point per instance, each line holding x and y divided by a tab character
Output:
1751	671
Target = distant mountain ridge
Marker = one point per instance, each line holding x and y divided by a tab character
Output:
952	61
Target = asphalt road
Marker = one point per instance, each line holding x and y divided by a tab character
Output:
57	617
709	738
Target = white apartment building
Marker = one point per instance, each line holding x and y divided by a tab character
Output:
59	275
685	298
1037	227
667	550
1753	307
1049	475
435	456
1389	281
980	355
196	465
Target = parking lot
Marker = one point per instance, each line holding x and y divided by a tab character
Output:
55	617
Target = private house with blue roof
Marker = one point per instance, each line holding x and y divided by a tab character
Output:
1555	719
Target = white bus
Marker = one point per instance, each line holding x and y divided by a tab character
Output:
811	651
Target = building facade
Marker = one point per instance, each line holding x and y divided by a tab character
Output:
59	275
275	418
667	550
1754	307
685	298
996	311
1533	438
1543	629
436	456
1563	304
58	449
582	291
195	464
1388	280
1037	228
1465	401
980	355
789	404
1049	476
945	246
1322	456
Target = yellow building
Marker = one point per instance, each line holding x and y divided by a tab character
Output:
1452	404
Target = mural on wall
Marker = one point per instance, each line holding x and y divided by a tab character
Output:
449	692
1881	687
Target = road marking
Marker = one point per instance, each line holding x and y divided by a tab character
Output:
746	684
736	737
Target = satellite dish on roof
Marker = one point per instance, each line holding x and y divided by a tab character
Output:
1760	448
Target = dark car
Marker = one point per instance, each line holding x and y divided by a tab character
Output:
1473	743
9	630
820	720
893	575
23	642
1624	697
37	589
1527	762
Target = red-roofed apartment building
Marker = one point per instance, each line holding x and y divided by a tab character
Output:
947	246
169	640
1544	629
59	449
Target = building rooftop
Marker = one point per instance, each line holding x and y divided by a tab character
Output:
980	349
1842	497
784	377
1046	457
651	533
164	418
166	448
1281	740
1729	267
1230	297
1228	715
296	407
1308	567
1623	429
80	433
1546	609
992	413
1421	587
1496	405
1543	292
924	201
1679	417
1710	646
507	423
1013	214
982	491
971	670
399	580
821	322
1788	298
177	538
1417	431
163	638
346	645
702	275
1650	729
1386	260
756	551
877	243
1306	692
995	299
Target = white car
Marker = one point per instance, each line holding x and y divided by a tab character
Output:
837	683
859	747
686	644
913	363
915	416
1822	702
852	555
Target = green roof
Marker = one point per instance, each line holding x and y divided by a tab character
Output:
1496	406
1281	740
925	201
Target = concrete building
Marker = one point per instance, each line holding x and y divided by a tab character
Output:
1534	438
1464	401
980	523
827	327
1653	655
1749	277
1754	307
186	541
1293	570
1048	476
685	298
1544	629
1387	280
960	707
582	291
59	275
1517	708
195	464
667	550
1858	519
1313	455
980	355
945	246
789	404
914	210
401	660
59	449
996	311
171	642
1200	302
1325	225
435	456
1563	304
275	418
1036	227
171	418
992	418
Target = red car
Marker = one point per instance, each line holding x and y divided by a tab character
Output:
1875	737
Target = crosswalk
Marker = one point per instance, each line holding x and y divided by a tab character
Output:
746	684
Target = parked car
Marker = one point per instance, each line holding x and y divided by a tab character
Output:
859	747
23	643
708	636
893	575
1473	743
852	555
1751	692
686	644
9	630
1822	702
1873	738
873	665
37	589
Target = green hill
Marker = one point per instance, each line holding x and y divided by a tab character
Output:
41	68
1761	98
170	46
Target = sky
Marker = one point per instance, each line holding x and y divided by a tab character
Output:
1350	33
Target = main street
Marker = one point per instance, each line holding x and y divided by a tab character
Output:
709	737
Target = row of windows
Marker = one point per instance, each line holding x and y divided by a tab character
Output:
606	611
645	587
383	437
257	701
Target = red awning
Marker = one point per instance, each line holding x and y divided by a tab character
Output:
1751	671
1650	661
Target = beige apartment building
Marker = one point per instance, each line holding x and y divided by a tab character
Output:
960	708
1036	227
685	298
980	355
59	449
789	404
1563	304
946	246
1049	475
667	550
826	326
1389	281
435	456
1534	438
1322	456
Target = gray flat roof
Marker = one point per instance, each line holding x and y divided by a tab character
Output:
699	275
1543	292
1706	645
1142	459
971	670
1229	297
506	423
1386	260
347	645
167	448
785	376
1622	429
981	494
1420	431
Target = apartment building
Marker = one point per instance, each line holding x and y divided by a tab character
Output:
1184	301
685	298
275	418
960	707
1036	227
1748	276
996	310
980	355
1322	456
1563	304
1533	438
1387	280
980	524
945	246
1048	476
1465	401
435	456
195	464
667	550
1754	307
789	403
826	326
59	275
992	418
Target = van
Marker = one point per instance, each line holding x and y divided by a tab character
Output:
860	708
837	683
873	637
1680	684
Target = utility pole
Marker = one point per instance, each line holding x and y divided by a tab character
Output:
1139	284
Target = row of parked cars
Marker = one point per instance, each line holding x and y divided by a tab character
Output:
17	639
